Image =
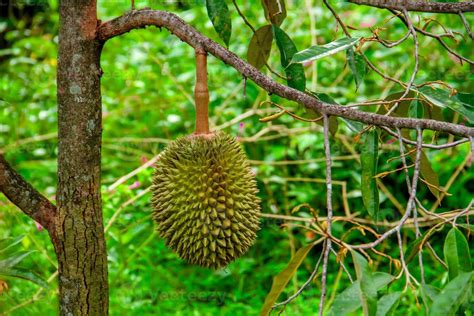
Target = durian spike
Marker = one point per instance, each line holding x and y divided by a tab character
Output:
201	93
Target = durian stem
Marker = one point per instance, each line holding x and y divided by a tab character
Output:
201	93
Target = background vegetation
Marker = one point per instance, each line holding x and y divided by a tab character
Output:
147	101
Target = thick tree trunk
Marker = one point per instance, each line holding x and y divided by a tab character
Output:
79	237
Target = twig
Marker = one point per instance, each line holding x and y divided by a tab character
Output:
343	266
466	25
127	203
308	282
465	211
431	146
338	19
124	178
416	55
410	203
327	250
439	38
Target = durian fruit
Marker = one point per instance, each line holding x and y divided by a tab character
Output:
204	199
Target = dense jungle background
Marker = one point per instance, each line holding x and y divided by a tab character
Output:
147	89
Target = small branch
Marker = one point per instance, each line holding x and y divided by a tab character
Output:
419	6
431	146
300	290
411	200
439	38
466	25
327	249
143	18
338	19
415	70
23	195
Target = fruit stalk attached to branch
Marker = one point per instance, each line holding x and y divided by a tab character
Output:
205	201
201	93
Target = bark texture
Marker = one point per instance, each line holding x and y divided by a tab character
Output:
419	6
80	244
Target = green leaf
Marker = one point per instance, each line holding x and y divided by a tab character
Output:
454	294
416	110
362	271
347	301
415	247
428	293
295	72
282	279
13	260
357	65
388	303
442	99
456	253
275	11
24	274
219	14
370	283
369	163
467	99
8	243
260	46
318	52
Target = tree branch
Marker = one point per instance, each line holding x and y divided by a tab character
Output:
23	195
143	18
419	6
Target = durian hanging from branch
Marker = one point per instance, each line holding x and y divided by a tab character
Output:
205	200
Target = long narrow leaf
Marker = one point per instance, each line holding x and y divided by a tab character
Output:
282	279
13	260
219	14
8	243
295	72
318	52
25	275
369	163
443	99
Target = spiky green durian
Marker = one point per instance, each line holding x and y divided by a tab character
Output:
204	199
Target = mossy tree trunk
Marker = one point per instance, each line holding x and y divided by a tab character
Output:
79	233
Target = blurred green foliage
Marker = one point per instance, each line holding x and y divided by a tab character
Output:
147	100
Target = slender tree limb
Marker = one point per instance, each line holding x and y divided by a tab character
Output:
143	18
327	249
23	195
466	25
419	6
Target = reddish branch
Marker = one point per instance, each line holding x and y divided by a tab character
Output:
143	18
419	6
23	195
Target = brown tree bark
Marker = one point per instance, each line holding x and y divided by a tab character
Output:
79	237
